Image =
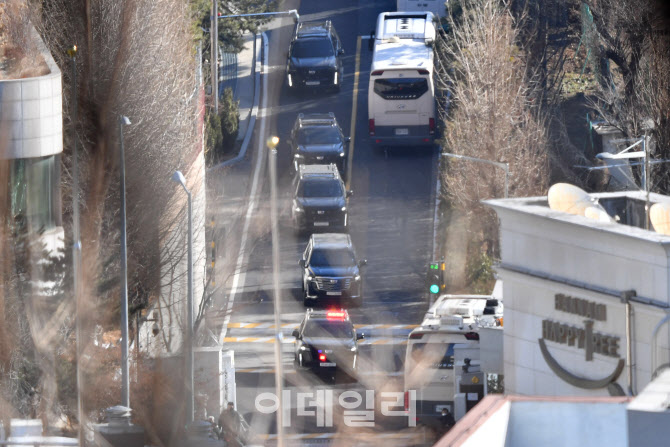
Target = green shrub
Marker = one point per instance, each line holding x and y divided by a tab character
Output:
230	120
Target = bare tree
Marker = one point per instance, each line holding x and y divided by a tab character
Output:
633	41
496	113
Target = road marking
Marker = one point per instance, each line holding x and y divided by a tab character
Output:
298	436
293	371
239	276
401	340
354	106
240	325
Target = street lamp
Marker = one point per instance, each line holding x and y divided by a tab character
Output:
125	377
179	178
503	166
76	245
272	143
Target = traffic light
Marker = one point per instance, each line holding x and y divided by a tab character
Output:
436	277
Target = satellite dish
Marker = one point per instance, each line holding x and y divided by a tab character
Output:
659	215
569	199
596	212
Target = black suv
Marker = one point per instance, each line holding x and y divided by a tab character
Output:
330	269
319	198
314	57
325	341
318	138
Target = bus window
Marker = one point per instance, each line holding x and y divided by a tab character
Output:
401	88
434	355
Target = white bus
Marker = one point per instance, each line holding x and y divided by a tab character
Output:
437	7
401	94
449	332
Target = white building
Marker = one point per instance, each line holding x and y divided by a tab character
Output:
520	421
565	281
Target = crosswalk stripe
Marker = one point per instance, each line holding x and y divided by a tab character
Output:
370	341
241	325
292	371
298	436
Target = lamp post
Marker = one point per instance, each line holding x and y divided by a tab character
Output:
76	245
279	376
503	166
125	377
179	178
215	56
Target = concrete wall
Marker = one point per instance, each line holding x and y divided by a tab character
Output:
600	254
31	113
170	308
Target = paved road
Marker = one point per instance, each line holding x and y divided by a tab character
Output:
391	216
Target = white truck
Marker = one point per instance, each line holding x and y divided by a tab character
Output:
443	358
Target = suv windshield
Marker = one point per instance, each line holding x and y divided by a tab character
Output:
401	88
320	188
318	135
312	48
334	257
329	328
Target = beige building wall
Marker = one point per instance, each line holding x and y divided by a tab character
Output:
545	253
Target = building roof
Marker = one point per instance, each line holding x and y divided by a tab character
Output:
623	206
521	421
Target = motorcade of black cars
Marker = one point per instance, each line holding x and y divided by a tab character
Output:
327	341
331	269
314	57
317	138
319	199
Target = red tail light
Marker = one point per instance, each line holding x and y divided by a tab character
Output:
322	357
333	315
431	125
423	71
472	336
406	400
379	73
415	335
371	126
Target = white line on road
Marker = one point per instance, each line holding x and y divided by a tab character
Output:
240	274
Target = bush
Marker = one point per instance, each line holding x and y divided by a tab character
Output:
222	129
230	119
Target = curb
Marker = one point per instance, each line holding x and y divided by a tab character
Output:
258	67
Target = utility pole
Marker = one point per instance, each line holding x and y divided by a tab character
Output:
188	342
76	249
279	374
125	376
214	31
647	187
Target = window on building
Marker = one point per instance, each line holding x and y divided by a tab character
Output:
34	189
